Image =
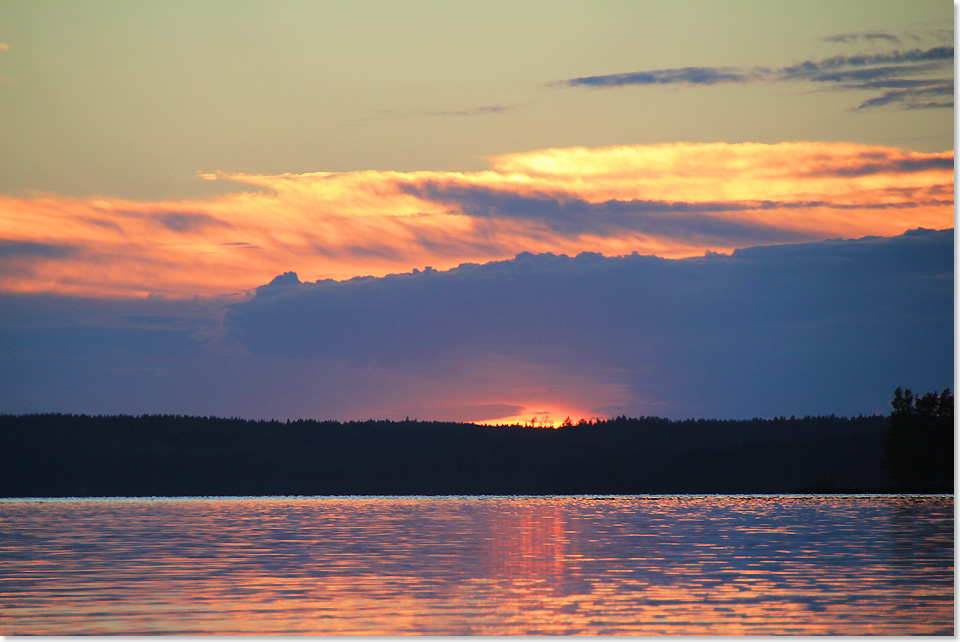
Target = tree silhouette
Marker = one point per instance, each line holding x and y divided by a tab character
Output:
918	445
170	455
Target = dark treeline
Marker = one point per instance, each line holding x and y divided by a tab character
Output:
55	455
918	443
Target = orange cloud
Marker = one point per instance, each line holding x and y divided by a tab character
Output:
674	200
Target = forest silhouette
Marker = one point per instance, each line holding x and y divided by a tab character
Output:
64	455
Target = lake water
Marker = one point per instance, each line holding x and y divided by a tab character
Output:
686	565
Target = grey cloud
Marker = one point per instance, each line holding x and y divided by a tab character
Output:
31	249
175	221
100	222
807	70
244	245
898	83
684	75
21	257
184	222
576	216
914	98
869	36
847	72
864	78
476	111
473	111
881	164
913	56
883	37
930	104
676	220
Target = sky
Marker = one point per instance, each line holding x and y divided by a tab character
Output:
475	211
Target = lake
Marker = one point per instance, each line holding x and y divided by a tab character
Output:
637	565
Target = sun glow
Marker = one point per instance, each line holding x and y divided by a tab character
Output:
543	417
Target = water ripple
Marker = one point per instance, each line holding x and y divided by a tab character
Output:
691	565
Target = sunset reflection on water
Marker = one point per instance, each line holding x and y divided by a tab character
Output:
693	565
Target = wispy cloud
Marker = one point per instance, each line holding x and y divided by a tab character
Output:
15	249
919	35
867	36
672	200
476	111
892	69
938	95
681	76
825	69
435	113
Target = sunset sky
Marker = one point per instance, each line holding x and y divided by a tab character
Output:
556	208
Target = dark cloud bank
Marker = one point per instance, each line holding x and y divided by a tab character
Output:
812	328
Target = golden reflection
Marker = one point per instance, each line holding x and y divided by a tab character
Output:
528	541
490	566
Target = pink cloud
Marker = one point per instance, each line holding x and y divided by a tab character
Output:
672	200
